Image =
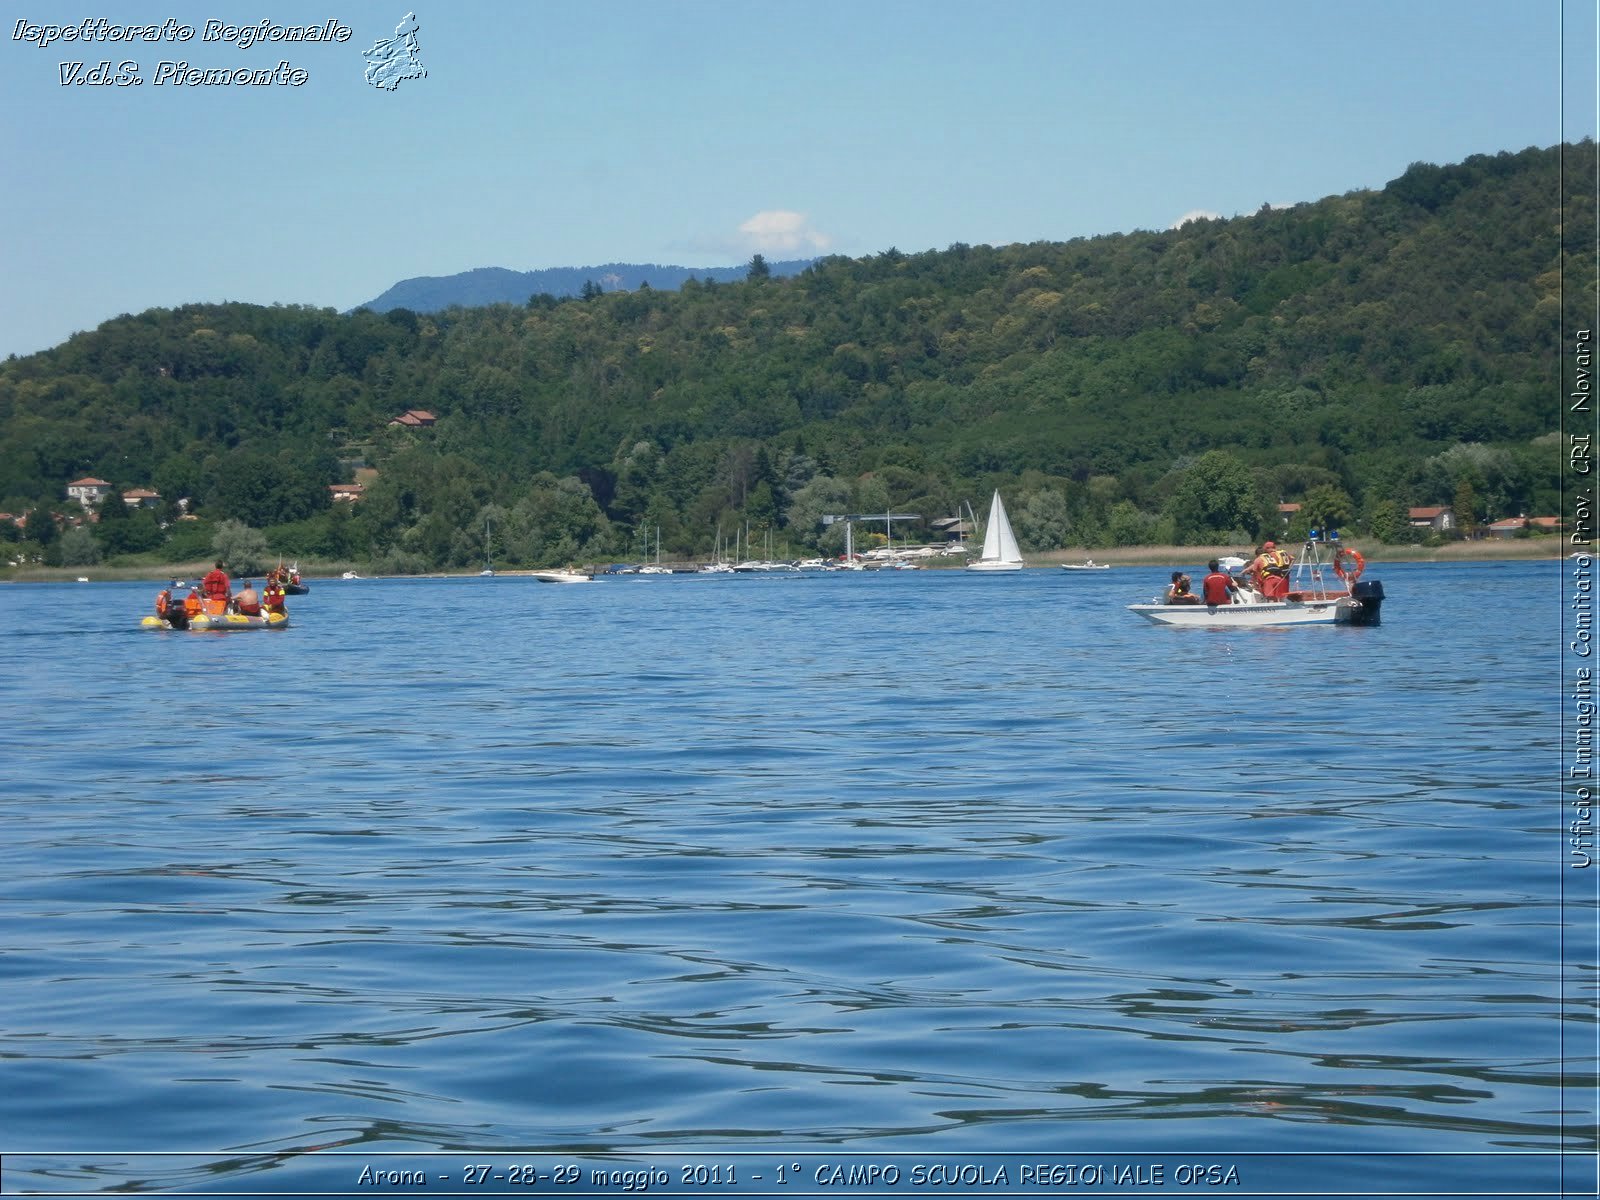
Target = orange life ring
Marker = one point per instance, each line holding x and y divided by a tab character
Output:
1351	574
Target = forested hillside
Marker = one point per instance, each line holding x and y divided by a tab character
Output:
1360	354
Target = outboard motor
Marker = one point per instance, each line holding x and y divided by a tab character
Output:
1370	594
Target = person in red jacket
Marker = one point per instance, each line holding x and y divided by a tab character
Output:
1217	587
217	589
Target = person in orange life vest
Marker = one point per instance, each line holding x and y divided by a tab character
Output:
217	588
171	610
272	596
1270	571
191	603
1180	592
247	602
1217	587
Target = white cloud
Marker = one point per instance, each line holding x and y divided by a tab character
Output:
1198	214
778	231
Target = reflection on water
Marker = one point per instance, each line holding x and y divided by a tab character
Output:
916	859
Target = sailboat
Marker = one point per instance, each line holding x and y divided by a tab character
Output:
488	552
1000	550
656	568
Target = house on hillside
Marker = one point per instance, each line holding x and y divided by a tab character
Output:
141	498
1286	513
347	492
415	418
88	491
1511	526
1437	518
952	529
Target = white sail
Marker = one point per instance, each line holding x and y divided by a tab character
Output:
1000	549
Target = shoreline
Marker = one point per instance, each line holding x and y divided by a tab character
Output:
1507	550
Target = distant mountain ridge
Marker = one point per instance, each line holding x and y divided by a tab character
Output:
498	285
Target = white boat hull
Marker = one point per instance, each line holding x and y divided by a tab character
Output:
560	577
996	565
1307	612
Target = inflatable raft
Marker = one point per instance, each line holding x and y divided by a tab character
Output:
219	621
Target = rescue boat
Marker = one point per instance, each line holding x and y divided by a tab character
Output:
219	621
1312	599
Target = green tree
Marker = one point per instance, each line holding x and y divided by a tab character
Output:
1041	520
1324	507
1215	497
1385	519
758	268
243	550
79	548
1127	526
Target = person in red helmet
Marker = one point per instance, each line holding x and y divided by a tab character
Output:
1270	571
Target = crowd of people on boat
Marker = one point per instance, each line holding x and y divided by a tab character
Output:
215	596
284	577
1267	575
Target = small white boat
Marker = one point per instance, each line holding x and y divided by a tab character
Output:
1087	564
1313	599
349	575
561	576
1000	549
1274	612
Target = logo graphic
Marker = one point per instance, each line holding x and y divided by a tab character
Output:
392	59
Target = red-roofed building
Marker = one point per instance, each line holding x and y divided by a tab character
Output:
1437	518
415	418
141	498
88	491
348	492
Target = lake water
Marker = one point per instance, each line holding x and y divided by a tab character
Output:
858	866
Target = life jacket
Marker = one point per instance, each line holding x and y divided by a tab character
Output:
1275	562
191	604
272	597
216	585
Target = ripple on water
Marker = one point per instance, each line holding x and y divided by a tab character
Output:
926	861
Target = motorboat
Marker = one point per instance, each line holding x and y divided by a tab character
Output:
1312	599
1343	610
561	576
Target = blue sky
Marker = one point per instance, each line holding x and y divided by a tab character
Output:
699	132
